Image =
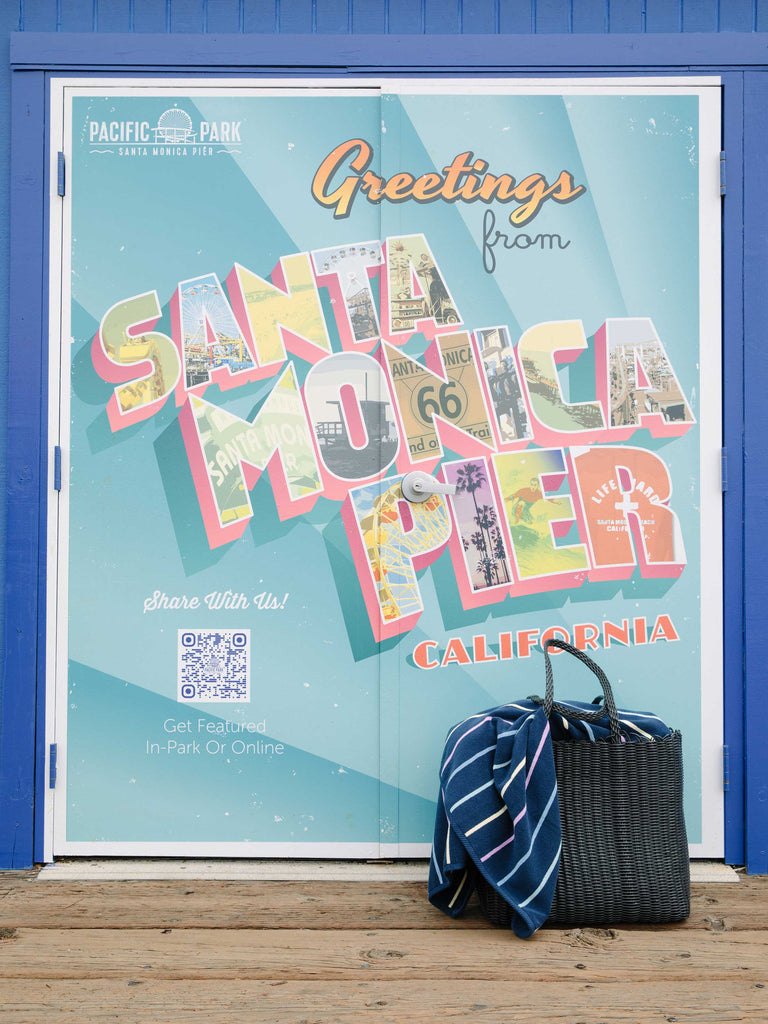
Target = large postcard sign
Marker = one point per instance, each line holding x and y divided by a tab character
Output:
275	302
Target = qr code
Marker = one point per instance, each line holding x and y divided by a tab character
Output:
214	666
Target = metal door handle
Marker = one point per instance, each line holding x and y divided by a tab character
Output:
418	486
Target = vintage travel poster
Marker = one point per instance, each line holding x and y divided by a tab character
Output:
276	301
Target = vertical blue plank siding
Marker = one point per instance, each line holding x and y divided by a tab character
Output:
113	16
77	15
259	16
515	18
552	16
187	15
372	17
406	16
700	15
478	16
296	17
662	16
44	16
624	17
147	15
737	16
442	16
369	18
333	17
222	16
587	15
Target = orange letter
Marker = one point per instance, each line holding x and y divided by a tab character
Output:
421	654
341	198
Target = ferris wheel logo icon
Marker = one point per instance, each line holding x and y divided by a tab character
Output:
174	126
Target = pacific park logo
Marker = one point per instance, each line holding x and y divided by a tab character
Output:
173	134
344	175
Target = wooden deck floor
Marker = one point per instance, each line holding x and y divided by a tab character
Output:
342	953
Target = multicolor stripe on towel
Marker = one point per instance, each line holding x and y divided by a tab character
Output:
497	808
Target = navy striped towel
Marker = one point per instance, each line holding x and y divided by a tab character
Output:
497	810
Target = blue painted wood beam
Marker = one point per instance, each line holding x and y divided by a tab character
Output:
377	53
733	441
27	415
756	470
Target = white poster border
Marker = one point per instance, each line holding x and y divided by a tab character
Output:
63	90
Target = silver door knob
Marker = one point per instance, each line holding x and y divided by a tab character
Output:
418	486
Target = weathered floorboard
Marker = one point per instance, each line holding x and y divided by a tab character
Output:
386	1002
324	905
27	903
557	956
341	953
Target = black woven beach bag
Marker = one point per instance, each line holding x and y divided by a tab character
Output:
625	850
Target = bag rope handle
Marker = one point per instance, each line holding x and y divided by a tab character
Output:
550	704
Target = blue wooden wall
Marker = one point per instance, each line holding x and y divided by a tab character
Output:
389	16
329	17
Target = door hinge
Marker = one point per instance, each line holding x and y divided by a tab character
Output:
726	767
61	175
52	766
722	172
57	467
724	469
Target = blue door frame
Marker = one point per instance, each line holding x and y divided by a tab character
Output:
740	60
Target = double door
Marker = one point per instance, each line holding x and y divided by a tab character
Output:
270	302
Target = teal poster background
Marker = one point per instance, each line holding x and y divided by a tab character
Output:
339	740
